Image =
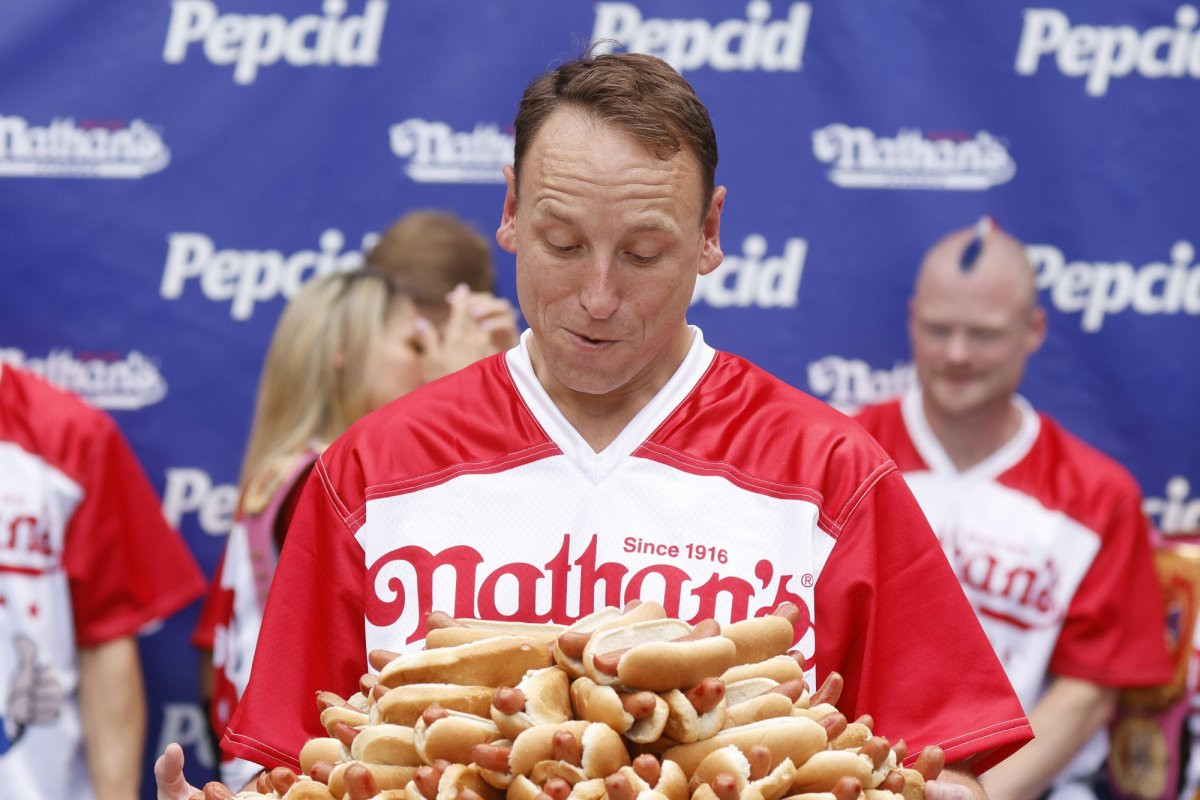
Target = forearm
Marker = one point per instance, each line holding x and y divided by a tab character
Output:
113	710
956	782
1063	720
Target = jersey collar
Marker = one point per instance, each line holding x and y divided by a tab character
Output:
597	466
935	456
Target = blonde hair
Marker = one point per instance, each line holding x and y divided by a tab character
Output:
314	383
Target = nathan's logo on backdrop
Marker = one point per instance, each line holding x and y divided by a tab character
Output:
118	383
1104	52
848	384
436	153
251	41
1177	511
753	279
190	490
245	278
1096	289
755	42
89	149
861	159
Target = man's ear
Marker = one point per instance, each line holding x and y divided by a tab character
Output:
710	251
1037	330
506	234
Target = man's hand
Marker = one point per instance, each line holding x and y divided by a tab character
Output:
955	783
168	773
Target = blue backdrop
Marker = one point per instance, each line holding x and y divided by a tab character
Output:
171	171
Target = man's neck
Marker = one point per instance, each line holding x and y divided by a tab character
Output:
969	439
599	419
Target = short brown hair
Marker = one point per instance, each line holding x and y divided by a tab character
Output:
428	253
640	94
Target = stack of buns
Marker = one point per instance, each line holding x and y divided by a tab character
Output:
625	704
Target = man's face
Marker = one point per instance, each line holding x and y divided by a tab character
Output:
971	333
609	240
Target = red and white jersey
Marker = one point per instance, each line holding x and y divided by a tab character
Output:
85	557
1050	544
729	493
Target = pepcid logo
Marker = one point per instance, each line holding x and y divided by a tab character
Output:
252	41
436	153
90	149
191	490
848	384
860	159
1104	52
1177	511
753	279
1096	289
755	42
245	278
116	383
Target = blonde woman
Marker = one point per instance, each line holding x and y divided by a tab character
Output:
345	345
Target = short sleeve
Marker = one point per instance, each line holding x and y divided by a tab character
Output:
126	566
312	636
1113	634
893	620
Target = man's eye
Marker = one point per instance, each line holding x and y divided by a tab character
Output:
639	258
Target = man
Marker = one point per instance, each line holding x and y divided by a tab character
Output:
86	560
1046	534
613	455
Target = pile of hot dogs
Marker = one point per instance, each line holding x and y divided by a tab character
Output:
625	704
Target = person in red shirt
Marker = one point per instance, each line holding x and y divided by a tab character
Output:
86	561
1045	533
614	455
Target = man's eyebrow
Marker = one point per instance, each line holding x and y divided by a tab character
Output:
545	209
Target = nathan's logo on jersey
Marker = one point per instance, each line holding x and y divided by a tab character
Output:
113	382
251	41
406	576
754	42
861	159
28	543
88	149
1176	512
1104	52
1005	588
1097	289
245	278
754	279
436	153
191	490
848	384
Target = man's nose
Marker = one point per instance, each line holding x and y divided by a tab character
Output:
958	349
599	295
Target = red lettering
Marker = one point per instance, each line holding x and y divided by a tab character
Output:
589	575
673	580
527	577
739	592
463	560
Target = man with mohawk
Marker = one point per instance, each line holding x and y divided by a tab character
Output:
1045	533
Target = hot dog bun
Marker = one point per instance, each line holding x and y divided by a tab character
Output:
653	656
603	752
759	638
386	744
452	737
404	705
472	630
796	738
498	661
547	700
320	749
568	657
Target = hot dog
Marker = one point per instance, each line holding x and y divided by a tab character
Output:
796	738
447	631
308	790
763	637
405	704
570	645
747	769
448	782
498	661
659	655
756	699
697	713
386	744
595	748
451	735
541	697
868	765
780	668
385	776
640	716
320	749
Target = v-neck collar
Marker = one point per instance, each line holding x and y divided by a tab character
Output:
931	451
598	466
